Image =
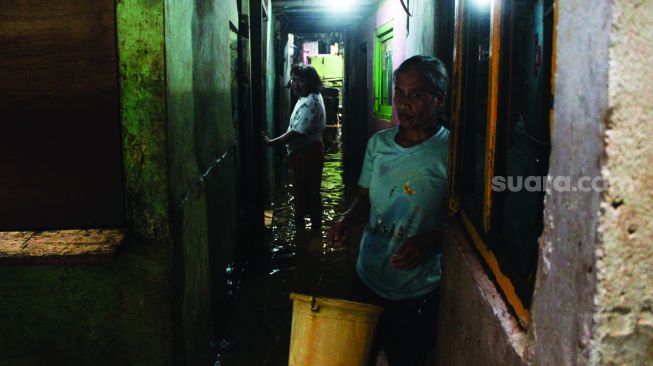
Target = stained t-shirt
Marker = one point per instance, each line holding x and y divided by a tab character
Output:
308	118
408	191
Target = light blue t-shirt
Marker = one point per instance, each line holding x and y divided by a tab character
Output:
308	118
408	193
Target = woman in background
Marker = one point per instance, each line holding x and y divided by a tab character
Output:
303	140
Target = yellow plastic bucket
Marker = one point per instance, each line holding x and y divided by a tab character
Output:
331	332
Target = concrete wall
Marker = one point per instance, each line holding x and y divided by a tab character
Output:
120	312
563	303
142	106
272	42
623	317
420	30
283	72
199	130
476	327
593	298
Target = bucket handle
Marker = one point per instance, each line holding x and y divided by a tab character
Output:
314	307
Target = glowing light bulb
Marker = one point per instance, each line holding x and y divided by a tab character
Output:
339	5
483	3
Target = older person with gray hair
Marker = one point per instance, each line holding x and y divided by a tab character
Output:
402	197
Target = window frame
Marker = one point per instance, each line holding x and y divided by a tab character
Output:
477	232
48	239
381	35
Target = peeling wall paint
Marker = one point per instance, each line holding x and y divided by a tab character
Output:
141	68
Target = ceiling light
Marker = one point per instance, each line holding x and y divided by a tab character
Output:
483	3
339	5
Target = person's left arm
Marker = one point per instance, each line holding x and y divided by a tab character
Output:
417	249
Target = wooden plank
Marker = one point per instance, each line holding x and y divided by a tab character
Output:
502	280
492	110
12	243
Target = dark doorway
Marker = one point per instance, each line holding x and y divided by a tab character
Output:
355	112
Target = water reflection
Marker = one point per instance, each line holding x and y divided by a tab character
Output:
298	262
285	240
332	186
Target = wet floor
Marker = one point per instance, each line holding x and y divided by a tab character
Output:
260	324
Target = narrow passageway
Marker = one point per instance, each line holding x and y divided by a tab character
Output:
259	329
136	174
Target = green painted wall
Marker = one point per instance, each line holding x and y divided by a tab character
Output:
328	66
116	313
111	314
142	98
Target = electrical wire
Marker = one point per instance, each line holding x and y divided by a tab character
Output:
198	183
405	8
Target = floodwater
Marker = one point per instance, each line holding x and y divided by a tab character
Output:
285	241
259	329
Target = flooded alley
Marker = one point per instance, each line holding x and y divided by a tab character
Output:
148	187
259	330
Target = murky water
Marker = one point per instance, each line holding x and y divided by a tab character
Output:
299	263
284	241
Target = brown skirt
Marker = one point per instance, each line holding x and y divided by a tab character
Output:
307	164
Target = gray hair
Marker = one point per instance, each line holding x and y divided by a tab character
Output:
432	68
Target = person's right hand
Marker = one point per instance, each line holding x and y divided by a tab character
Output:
338	234
265	139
